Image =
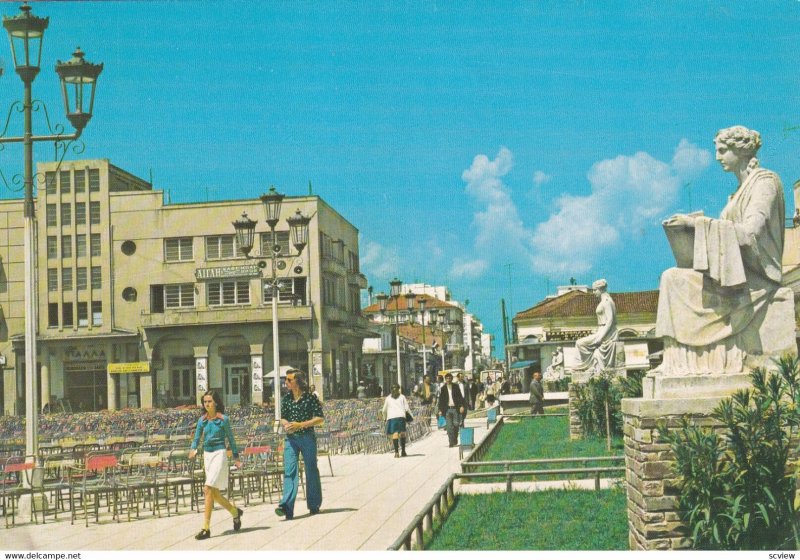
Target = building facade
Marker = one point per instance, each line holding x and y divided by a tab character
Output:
143	304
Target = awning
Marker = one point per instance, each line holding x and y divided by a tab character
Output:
523	364
284	369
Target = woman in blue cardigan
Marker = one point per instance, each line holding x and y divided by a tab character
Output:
215	428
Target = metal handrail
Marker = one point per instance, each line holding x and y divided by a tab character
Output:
441	500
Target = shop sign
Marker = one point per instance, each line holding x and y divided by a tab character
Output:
258	377
82	367
201	375
247	270
129	367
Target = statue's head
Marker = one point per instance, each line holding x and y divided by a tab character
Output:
740	140
599	286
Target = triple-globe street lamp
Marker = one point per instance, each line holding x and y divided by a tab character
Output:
245	235
78	80
394	294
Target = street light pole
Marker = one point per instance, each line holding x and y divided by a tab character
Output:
395	293
424	350
25	33
245	236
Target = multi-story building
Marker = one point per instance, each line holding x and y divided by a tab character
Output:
143	304
558	321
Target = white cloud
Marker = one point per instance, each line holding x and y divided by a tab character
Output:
468	269
379	261
540	178
627	194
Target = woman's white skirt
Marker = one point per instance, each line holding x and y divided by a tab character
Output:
216	465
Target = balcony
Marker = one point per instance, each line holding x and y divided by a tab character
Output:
357	279
224	315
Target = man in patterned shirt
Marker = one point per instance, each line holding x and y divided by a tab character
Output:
300	412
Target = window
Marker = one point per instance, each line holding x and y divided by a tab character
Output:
50	183
66	279
281	238
65	181
81	280
52	247
66	215
221	247
178	249
157	298
51	215
83	314
66	315
178	295
80	245
290	290
129	294
52	315
95	241
97	277
80	213
80	180
94	180
230	292
52	279
97	313
94	212
66	247
128	247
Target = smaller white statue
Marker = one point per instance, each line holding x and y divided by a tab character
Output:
555	370
597	352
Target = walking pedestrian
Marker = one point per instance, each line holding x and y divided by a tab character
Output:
537	394
300	412
451	407
215	428
395	409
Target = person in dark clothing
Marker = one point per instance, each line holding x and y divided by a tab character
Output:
451	407
537	394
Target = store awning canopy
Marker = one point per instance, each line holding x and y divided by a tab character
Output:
522	364
283	369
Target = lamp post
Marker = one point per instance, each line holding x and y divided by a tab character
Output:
245	236
78	80
422	301
410	298
445	328
394	291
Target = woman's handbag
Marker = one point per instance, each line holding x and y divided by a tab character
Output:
409	418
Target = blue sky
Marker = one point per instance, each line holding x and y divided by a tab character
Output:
498	148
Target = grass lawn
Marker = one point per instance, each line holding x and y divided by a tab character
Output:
551	520
546	437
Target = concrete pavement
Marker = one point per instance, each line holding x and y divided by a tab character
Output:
366	506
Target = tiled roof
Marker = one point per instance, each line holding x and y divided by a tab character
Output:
392	304
581	304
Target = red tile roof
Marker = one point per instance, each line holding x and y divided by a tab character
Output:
393	304
581	304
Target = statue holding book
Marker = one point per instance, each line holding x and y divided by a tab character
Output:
723	309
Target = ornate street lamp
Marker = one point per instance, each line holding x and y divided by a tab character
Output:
245	237
422	302
26	34
410	298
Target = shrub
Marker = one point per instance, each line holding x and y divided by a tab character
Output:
736	488
591	400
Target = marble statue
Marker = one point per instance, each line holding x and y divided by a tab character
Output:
555	370
597	352
726	305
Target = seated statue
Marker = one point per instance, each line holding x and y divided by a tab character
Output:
712	315
555	370
597	352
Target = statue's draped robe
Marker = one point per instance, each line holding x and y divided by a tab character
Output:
710	314
598	351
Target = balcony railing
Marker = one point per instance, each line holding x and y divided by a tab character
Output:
219	315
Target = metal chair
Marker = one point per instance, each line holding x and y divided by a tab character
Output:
466	440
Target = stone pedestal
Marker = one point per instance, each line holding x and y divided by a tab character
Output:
576	430
653	519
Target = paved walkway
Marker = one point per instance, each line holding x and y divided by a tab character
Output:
366	506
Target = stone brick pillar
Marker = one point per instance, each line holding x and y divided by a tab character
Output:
653	519
576	430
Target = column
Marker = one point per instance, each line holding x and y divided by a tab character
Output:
146	390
